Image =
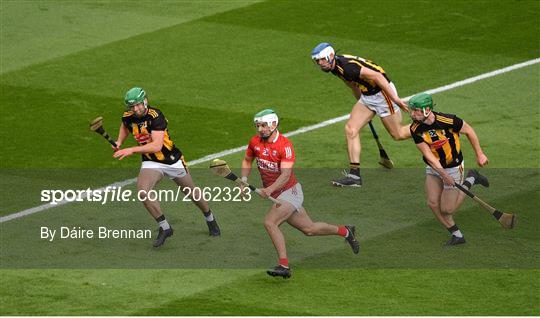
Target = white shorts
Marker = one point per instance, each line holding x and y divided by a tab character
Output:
456	173
380	103
293	195
176	170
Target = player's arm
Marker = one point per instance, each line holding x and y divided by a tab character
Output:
154	146
123	132
383	83
481	158
434	163
286	171
246	167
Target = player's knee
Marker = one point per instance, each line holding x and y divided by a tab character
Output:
308	230
433	205
351	131
143	194
396	135
447	209
269	225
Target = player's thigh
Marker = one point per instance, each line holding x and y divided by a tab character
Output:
434	189
393	125
359	117
277	215
185	182
148	178
300	219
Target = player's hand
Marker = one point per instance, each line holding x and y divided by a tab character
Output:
448	180
121	154
404	107
265	192
118	145
482	160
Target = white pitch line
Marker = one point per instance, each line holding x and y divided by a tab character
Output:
301	130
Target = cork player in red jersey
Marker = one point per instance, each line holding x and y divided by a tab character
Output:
274	155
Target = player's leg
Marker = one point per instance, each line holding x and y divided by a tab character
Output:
434	192
391	116
359	117
146	181
434	188
187	185
393	125
301	221
274	218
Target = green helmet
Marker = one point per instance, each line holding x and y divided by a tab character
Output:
421	101
134	96
267	116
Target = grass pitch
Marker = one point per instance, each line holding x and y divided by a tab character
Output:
209	67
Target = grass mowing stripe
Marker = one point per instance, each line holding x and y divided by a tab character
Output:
56	29
295	132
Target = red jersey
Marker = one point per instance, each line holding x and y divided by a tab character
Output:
269	155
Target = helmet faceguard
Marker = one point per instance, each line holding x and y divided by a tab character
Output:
268	117
323	51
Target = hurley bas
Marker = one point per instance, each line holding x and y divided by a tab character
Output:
102	232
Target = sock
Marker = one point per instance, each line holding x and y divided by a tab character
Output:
342	231
468	183
454	230
354	168
209	216
284	262
163	222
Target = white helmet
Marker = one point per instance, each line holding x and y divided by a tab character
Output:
269	117
323	51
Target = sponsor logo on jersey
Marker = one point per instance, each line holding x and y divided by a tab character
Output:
267	165
438	144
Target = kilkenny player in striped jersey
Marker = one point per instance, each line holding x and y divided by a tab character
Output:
375	94
160	157
437	136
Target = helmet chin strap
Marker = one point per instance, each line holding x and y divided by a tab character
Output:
426	114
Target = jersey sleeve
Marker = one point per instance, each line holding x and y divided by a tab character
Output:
417	139
159	123
286	152
250	153
126	119
457	124
351	71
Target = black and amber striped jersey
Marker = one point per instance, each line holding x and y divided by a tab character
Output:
442	138
348	68
142	128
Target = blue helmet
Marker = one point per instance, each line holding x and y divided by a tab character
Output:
323	51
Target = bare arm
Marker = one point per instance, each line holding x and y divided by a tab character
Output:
481	158
246	166
382	82
434	163
123	132
154	146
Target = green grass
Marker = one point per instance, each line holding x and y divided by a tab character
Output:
209	66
